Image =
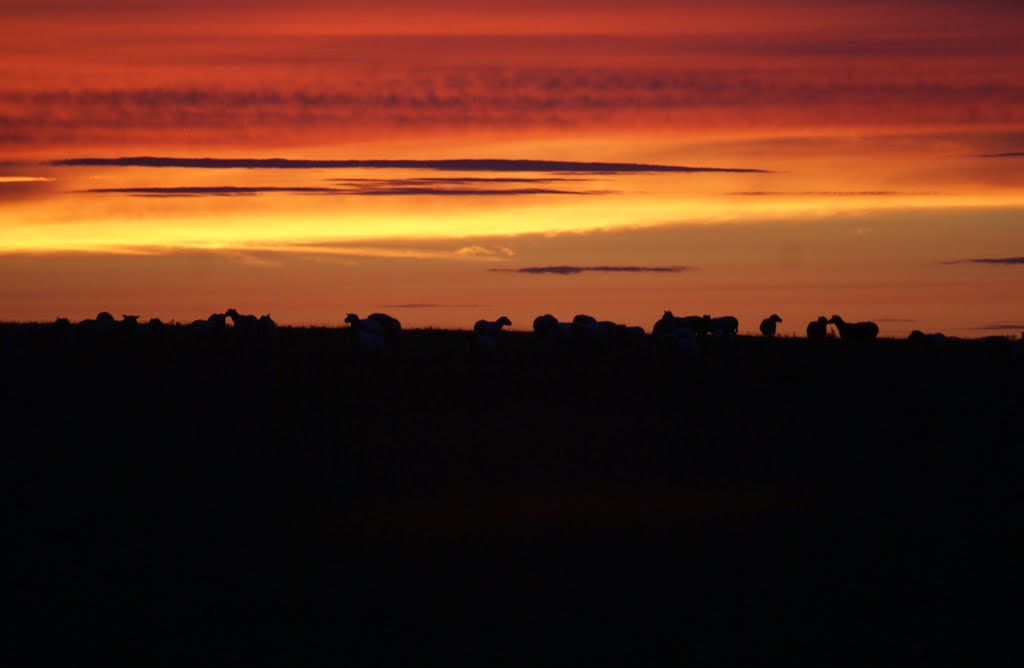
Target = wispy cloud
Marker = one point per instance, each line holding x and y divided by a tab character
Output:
209	191
996	327
568	270
453	165
24	179
23	187
455	180
1002	155
988	260
483	251
822	193
369	191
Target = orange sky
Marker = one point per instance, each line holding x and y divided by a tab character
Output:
878	150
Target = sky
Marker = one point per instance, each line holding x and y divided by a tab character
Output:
450	161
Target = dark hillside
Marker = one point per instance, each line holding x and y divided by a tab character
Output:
179	497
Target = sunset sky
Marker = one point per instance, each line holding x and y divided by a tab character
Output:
447	161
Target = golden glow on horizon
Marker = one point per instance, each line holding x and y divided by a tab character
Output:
870	122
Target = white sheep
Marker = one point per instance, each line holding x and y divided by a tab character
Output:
768	325
372	334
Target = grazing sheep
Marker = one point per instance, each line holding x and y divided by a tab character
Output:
587	329
669	323
391	325
209	327
367	325
768	325
817	330
854	331
155	324
266	327
245	325
102	325
373	334
546	326
492	329
725	326
918	337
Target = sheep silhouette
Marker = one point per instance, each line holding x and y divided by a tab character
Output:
208	328
372	334
484	339
725	326
698	324
391	325
491	328
587	329
266	327
103	325
768	325
546	327
245	325
918	337
817	330
854	331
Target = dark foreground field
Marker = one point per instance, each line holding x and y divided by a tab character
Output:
179	500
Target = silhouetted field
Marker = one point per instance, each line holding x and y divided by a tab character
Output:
179	498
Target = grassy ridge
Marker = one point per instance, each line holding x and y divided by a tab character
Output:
185	498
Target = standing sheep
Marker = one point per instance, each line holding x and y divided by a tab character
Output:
768	325
817	330
725	326
488	328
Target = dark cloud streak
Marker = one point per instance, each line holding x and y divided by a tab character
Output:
373	191
568	270
455	165
988	260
